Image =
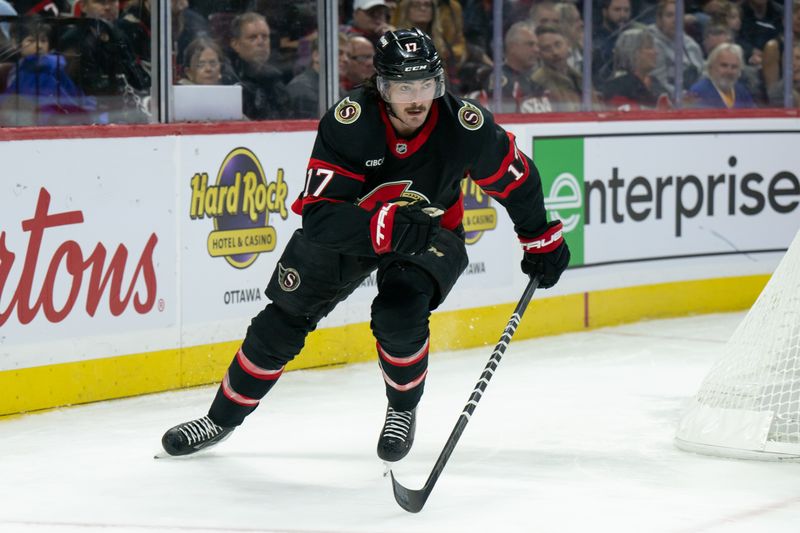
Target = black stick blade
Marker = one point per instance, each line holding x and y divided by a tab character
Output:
411	500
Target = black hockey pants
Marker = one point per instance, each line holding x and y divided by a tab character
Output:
308	282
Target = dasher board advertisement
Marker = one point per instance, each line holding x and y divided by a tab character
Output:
87	249
659	196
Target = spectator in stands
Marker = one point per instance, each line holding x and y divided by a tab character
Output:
545	14
700	15
205	61
264	95
664	34
616	14
102	63
134	22
304	88
370	19
775	92
107	10
563	85
39	89
478	23
732	17
359	61
632	85
717	33
48	8
424	15
520	93
720	86
293	27
451	16
762	20
474	75
187	25
772	58
571	24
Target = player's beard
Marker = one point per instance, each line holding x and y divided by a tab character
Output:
416	112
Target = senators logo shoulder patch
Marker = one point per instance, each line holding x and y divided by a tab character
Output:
347	111
470	116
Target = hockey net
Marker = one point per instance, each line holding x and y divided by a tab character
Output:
749	404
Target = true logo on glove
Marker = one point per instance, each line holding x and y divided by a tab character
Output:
379	236
548	242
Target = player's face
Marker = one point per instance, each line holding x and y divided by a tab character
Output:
411	100
411	92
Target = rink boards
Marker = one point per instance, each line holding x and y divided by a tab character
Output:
131	260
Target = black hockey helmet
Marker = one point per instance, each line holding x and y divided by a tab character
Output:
407	55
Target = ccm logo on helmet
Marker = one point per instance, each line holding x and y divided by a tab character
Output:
414	68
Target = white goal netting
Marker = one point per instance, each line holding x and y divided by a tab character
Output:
749	404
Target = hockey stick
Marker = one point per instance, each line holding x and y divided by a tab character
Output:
414	500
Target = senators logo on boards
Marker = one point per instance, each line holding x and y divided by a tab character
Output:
240	204
118	278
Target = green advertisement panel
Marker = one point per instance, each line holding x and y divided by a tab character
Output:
560	163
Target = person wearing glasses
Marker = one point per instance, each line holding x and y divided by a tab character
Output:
204	62
264	96
359	61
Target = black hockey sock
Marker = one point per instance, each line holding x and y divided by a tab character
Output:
243	386
404	376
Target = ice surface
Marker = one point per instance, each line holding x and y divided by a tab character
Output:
574	434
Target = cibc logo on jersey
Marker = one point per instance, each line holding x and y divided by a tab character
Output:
239	204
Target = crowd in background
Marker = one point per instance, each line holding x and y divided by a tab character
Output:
89	61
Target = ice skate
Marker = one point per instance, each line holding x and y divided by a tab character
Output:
397	434
193	436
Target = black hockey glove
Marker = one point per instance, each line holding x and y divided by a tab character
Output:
405	229
546	254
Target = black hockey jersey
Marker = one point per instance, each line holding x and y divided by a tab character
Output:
359	162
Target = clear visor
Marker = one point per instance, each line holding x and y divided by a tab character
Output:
407	91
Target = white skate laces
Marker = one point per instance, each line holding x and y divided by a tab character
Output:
199	430
398	424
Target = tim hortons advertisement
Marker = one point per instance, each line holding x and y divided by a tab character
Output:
628	198
87	248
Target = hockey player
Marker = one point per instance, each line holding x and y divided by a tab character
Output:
383	193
